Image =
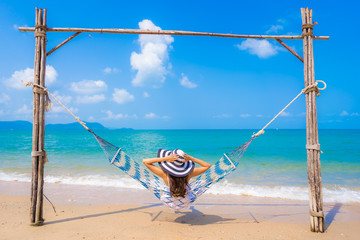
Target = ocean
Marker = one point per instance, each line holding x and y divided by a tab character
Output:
273	166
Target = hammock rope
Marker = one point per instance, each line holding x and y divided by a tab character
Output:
308	89
227	163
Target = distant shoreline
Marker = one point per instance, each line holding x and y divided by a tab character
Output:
26	125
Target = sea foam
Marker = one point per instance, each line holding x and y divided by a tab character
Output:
331	193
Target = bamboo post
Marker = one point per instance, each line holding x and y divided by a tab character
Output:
38	153
312	137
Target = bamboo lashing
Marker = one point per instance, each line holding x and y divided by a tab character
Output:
168	32
45	90
40	153
306	90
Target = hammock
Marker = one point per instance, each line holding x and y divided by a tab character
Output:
227	163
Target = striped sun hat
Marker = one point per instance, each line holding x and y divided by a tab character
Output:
178	168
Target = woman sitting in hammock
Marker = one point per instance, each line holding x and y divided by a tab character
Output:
176	169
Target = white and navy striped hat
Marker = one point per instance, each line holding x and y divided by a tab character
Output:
178	168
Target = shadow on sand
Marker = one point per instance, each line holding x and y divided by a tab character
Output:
330	216
196	217
102	214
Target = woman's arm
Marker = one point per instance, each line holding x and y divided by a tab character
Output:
155	169
199	170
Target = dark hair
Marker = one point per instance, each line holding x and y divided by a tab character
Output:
178	186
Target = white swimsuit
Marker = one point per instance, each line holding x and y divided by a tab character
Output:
177	203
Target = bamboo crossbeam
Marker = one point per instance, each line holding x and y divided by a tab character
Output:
168	32
290	50
63	43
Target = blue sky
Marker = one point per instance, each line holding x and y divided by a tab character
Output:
183	82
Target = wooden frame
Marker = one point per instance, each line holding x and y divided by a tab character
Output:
313	148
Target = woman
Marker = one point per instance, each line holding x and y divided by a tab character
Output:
176	169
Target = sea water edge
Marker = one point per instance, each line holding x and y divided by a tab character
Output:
273	166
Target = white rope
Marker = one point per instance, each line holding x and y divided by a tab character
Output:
45	89
254	135
302	91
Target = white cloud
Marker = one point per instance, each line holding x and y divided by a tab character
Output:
1	112
275	28
150	62
109	70
345	113
16	27
245	115
4	98
91	119
185	82
259	115
154	116
111	115
24	110
146	95
150	115
122	96
27	75
261	48
224	115
302	114
285	114
62	98
58	109
90	99
88	86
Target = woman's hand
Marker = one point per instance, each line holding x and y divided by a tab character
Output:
171	158
186	157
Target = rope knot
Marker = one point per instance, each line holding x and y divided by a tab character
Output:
42	27
308	27
314	87
258	133
27	84
40	34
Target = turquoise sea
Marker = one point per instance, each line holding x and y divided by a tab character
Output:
273	166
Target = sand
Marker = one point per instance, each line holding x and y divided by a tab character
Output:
121	214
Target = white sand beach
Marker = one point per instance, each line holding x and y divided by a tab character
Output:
106	213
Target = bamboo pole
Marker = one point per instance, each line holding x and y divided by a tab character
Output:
312	137
290	50
35	133
168	32
38	156
63	43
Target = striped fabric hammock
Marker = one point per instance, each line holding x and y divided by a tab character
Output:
227	163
